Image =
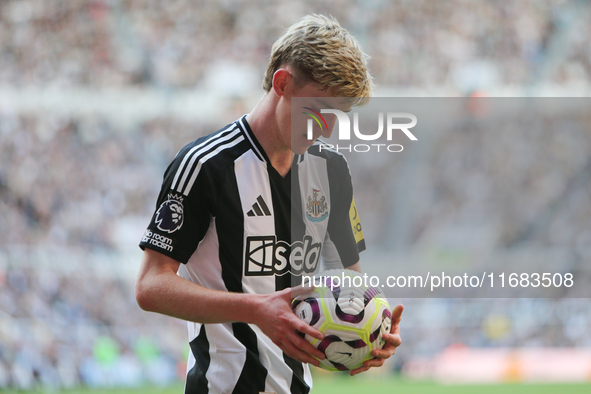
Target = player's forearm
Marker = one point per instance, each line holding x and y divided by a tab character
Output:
177	297
159	289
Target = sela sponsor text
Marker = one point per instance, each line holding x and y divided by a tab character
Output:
265	256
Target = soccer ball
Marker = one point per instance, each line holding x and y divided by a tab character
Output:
352	317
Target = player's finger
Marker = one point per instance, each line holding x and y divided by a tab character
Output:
358	370
301	290
304	328
384	353
397	314
392	339
374	362
305	346
292	351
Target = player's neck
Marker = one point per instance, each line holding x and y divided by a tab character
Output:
282	164
263	124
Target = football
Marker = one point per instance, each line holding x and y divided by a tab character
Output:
352	316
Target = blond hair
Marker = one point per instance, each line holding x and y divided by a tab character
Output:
322	51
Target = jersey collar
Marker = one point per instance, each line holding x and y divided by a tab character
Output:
256	146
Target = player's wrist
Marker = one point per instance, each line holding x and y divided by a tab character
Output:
252	308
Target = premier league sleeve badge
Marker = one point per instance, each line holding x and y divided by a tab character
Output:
169	217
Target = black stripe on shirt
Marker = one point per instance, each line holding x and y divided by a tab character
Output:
231	232
196	380
298	384
254	374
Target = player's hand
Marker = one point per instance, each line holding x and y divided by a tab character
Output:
392	342
277	320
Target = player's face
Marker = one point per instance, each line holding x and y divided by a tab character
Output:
316	98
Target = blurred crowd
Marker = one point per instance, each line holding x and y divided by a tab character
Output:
432	325
61	325
57	177
74	183
460	45
62	330
507	179
528	173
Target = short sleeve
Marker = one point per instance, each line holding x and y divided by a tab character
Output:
345	235
183	210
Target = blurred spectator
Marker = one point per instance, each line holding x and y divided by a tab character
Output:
461	45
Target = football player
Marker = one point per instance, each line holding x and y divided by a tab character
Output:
223	248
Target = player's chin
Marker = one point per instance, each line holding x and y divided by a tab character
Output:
301	144
299	149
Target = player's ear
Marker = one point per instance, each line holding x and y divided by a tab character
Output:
282	79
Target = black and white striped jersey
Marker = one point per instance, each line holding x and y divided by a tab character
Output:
237	225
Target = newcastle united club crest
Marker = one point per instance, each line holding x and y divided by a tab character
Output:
316	208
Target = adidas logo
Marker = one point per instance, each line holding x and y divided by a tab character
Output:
259	208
